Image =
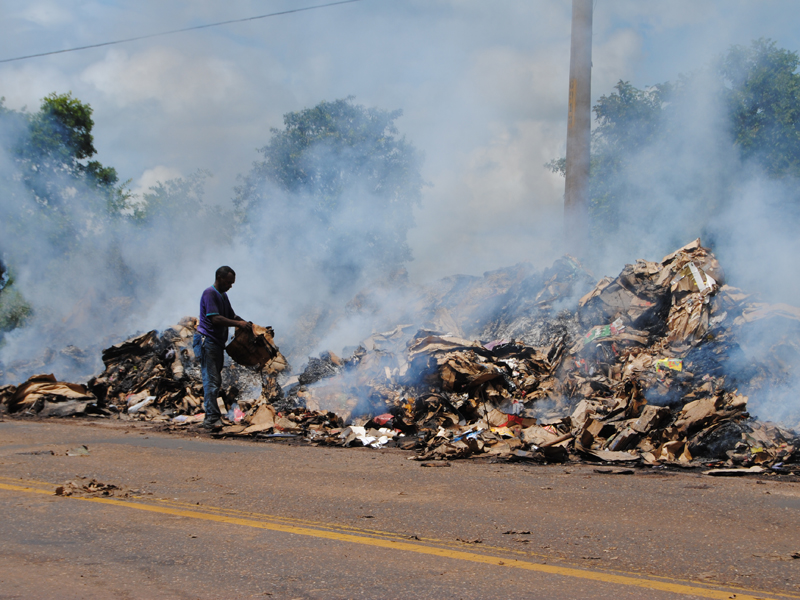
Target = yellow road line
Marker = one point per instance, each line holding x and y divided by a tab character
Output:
338	527
420	548
34	482
207	508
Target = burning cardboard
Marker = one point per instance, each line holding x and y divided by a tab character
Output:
645	381
254	346
642	371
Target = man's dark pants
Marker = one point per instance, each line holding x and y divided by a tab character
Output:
211	358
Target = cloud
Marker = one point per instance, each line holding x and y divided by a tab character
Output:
25	84
176	81
612	59
46	14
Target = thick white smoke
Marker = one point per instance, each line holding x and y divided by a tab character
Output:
483	86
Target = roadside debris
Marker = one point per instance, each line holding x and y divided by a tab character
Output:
656	366
606	471
78	451
43	395
156	377
735	472
152	376
651	377
89	488
254	346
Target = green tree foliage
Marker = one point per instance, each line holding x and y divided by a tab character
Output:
627	121
630	117
14	310
61	132
55	149
344	167
172	200
762	92
183	201
758	88
56	198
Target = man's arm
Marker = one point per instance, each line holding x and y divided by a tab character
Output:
220	320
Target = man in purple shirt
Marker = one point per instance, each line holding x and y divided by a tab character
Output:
216	315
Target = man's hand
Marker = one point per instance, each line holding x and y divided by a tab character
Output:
241	324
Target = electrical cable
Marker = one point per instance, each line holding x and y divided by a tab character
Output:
194	28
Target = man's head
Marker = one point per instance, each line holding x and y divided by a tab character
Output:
224	279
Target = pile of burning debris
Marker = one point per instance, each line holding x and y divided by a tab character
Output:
657	365
661	372
157	377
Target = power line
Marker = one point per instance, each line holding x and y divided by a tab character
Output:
152	35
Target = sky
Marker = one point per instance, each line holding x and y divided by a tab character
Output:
482	85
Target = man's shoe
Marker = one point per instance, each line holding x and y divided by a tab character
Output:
215	424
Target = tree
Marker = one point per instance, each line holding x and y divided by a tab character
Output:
53	149
14	310
56	202
172	200
628	121
61	132
355	181
642	144
762	93
66	192
182	201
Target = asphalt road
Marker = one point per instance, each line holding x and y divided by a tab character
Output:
196	517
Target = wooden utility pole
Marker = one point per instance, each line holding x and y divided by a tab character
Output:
579	124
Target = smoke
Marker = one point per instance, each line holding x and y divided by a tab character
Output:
92	277
483	86
88	278
691	181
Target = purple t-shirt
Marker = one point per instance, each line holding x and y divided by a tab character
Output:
213	303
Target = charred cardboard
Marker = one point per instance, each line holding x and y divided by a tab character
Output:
262	420
138	345
46	387
253	346
64	409
446	392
